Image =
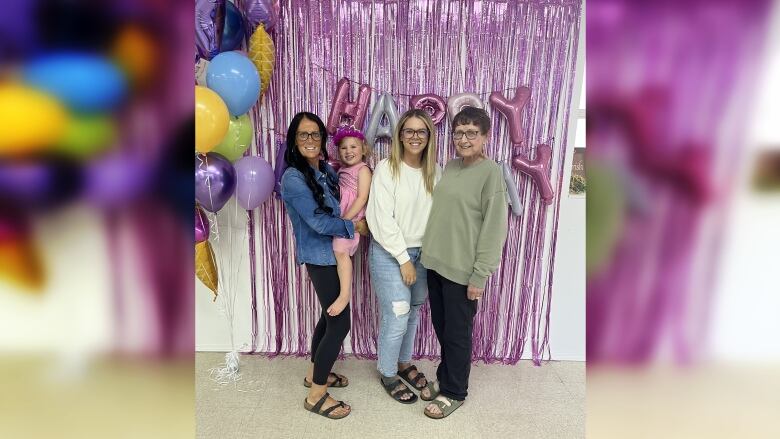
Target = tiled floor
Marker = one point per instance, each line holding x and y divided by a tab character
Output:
521	401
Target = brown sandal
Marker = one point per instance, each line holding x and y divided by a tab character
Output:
446	409
327	412
433	387
414	382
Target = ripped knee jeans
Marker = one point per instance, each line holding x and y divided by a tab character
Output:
398	306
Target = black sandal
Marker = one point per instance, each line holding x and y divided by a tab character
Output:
404	374
397	394
327	412
339	382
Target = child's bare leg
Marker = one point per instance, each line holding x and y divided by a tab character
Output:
344	268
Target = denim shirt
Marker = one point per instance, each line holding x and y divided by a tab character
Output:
313	232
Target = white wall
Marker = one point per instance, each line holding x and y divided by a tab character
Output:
71	315
745	325
212	331
567	315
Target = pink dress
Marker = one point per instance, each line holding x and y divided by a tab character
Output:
348	185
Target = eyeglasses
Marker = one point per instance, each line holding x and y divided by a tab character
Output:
408	133
304	136
470	134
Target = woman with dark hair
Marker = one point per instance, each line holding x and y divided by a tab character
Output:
310	192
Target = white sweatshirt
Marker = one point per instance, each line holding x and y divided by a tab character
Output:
398	210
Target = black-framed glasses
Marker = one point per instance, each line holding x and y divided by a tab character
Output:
408	133
304	136
470	134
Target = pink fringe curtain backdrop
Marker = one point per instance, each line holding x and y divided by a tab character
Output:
406	48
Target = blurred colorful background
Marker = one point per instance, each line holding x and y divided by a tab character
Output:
96	134
682	112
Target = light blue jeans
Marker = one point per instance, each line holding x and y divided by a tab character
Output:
398	306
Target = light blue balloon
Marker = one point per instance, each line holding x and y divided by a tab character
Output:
83	82
235	79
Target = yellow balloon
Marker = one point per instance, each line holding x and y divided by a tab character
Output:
261	52
211	119
30	120
206	266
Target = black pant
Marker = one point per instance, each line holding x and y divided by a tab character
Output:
452	315
330	331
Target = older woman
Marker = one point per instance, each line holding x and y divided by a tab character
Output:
461	248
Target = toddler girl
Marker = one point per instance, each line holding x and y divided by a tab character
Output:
354	184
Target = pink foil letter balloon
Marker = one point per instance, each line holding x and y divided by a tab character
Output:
538	169
432	103
342	106
511	110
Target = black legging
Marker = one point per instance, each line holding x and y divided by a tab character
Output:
330	331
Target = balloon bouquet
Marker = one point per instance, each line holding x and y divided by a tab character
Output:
59	138
234	82
223	127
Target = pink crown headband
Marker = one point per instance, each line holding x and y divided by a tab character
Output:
346	131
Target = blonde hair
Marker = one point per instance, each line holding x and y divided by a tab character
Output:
366	150
346	131
429	153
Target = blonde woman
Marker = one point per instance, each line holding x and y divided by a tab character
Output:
399	203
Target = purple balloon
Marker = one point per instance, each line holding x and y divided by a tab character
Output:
25	181
201	225
261	11
279	168
209	25
215	181
37	185
116	179
255	181
233	32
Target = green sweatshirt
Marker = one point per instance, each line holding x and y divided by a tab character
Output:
467	226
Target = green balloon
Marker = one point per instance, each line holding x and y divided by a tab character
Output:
87	135
237	139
